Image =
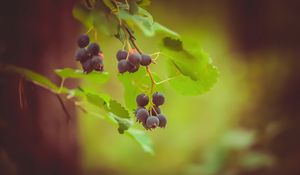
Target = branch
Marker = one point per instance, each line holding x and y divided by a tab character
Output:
132	40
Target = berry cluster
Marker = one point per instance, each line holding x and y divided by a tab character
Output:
91	58
131	61
150	117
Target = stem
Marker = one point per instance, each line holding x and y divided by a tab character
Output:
96	35
58	97
88	3
61	85
152	79
168	79
154	111
132	40
127	4
89	30
21	92
157	55
64	107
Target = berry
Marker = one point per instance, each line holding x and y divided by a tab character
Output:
155	110
134	59
83	40
93	49
87	66
138	108
82	54
97	63
162	120
123	66
132	68
142	115
152	122
121	55
142	100
132	51
101	55
158	98
146	60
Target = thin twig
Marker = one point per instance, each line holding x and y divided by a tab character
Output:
90	29
21	92
64	107
168	79
88	3
132	40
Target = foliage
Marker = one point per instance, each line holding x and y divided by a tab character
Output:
190	69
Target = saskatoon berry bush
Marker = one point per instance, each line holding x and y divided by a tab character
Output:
189	71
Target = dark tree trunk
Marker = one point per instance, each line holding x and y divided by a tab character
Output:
271	29
36	139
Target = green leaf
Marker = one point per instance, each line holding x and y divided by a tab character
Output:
105	23
109	105
36	78
173	44
142	139
96	100
135	84
124	127
124	124
96	77
82	14
186	86
100	17
159	28
192	68
143	20
143	3
109	4
117	109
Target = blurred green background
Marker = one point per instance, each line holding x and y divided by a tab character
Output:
225	131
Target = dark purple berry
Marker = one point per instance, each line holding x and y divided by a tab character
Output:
132	68
158	98
82	55
83	40
152	122
146	60
134	59
87	66
97	63
93	49
142	100
142	115
138	108
123	66
121	55
162	121
155	110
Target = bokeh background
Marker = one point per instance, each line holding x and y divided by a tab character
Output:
247	124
